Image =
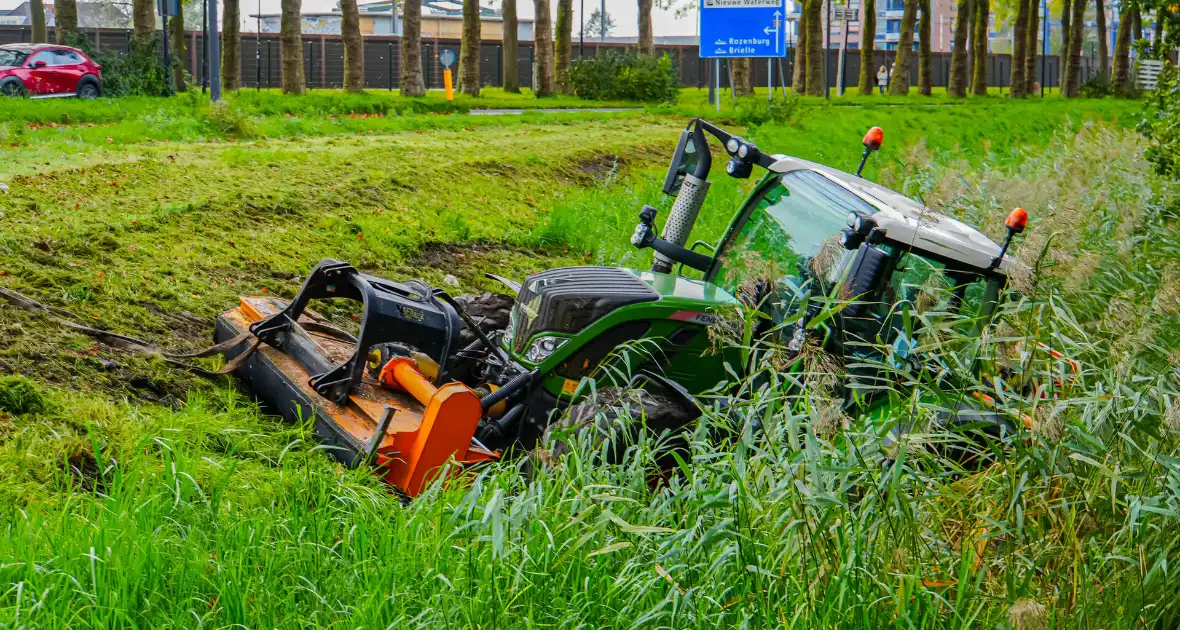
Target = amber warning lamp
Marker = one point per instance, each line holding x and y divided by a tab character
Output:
1015	223
872	142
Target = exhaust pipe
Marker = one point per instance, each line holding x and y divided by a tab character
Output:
688	201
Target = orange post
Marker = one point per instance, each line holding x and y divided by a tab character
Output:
448	84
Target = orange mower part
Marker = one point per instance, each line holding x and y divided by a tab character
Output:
429	425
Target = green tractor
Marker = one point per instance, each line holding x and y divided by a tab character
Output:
823	258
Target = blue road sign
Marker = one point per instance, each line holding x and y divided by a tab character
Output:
743	28
446	57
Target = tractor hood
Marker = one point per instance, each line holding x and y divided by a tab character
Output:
568	300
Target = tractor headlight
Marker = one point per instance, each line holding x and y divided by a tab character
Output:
732	146
543	347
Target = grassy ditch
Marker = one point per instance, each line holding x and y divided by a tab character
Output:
200	510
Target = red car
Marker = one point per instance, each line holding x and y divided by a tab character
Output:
48	71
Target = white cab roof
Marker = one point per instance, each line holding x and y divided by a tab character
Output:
908	222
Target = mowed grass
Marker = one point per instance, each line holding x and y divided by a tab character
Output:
198	510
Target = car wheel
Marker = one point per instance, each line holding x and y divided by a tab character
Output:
88	90
12	88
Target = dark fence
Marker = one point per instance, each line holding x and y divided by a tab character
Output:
323	58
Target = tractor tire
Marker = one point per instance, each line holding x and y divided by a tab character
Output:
618	415
491	312
970	439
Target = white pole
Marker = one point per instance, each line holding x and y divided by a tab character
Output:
717	78
843	47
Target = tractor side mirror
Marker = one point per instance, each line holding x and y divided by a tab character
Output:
865	278
872	141
684	162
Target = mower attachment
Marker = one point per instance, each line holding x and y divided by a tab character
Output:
400	421
394	312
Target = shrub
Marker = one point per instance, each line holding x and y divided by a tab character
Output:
624	76
752	111
140	72
20	395
1161	123
230	121
1096	87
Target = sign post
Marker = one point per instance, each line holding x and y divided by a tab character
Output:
447	57
166	9
843	15
741	28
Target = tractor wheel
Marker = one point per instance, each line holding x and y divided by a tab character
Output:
618	415
490	311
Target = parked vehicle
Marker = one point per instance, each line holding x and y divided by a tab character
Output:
48	71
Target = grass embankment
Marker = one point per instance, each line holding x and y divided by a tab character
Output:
125	514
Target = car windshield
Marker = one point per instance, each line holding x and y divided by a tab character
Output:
791	231
10	57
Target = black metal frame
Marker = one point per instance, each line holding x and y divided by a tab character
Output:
408	313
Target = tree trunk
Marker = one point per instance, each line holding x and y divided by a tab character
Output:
231	46
1103	43
176	41
816	84
508	52
65	30
868	33
979	73
563	50
743	76
1018	84
469	50
143	16
799	72
543	44
924	49
1063	54
1122	55
37	8
1033	48
410	81
291	47
1136	24
1161	17
1076	24
899	78
647	43
957	82
354	46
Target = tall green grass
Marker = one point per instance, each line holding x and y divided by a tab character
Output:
208	513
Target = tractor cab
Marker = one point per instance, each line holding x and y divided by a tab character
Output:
810	235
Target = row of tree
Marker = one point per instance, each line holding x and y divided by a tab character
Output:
970	43
553	55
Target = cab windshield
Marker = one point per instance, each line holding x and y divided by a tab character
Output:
790	232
